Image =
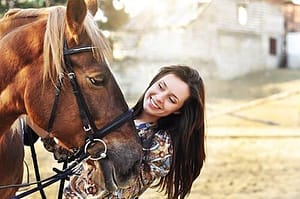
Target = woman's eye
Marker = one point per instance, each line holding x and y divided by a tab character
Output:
160	85
96	81
172	100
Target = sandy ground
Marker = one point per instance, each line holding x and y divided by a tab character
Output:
238	168
252	145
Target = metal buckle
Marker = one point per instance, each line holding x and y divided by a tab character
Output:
102	155
71	75
87	128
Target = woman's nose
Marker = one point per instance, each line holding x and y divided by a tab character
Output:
160	97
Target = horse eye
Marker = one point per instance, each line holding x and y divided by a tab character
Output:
97	80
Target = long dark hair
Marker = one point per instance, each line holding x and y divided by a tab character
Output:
187	133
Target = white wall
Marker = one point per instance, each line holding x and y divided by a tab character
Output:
214	42
293	49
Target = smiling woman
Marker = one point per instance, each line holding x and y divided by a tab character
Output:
164	97
169	119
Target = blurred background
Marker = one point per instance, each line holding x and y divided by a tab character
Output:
248	53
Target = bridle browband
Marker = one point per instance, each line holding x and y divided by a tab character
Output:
93	133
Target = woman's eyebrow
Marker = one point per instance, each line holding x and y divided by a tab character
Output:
164	83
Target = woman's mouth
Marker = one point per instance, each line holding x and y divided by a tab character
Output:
154	104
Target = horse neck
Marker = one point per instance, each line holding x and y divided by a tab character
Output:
19	65
18	17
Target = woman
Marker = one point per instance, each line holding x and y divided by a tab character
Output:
169	118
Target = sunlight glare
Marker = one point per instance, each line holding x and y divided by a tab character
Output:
100	16
297	2
118	4
134	7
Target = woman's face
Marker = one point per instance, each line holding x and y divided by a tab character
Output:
165	96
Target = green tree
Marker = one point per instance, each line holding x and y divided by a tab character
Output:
115	17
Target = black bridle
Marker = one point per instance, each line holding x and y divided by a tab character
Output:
85	115
92	132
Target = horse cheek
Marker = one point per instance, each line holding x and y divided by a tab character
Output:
38	102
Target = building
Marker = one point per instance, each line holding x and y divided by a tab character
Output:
222	38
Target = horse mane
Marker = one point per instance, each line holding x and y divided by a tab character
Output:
54	40
54	37
16	13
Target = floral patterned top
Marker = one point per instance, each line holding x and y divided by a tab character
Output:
157	157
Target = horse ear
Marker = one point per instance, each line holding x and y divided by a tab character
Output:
76	12
92	6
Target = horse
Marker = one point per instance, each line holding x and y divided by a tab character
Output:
42	48
11	157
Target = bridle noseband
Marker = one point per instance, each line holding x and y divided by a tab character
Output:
93	134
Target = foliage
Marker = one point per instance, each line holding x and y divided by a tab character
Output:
116	18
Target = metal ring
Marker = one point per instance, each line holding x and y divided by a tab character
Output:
102	155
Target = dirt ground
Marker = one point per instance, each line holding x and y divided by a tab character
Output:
253	139
247	168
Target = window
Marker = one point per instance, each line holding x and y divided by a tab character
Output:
242	14
272	46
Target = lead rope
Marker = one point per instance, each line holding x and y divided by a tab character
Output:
71	170
36	171
34	159
62	182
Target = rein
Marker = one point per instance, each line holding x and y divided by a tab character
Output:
93	133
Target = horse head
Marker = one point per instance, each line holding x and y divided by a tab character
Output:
47	48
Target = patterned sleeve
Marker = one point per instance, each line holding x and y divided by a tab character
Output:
156	163
159	155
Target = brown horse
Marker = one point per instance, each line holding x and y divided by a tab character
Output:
11	157
32	43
